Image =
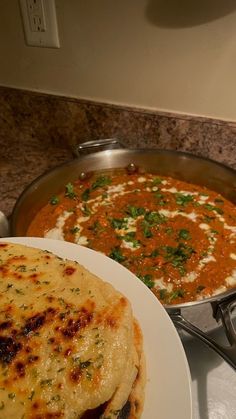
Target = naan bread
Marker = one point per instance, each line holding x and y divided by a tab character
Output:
68	340
133	408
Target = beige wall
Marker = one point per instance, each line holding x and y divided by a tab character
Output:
158	54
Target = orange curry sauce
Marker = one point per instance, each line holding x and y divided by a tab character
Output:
178	238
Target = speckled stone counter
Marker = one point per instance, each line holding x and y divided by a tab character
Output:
39	131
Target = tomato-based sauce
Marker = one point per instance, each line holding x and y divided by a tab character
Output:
178	238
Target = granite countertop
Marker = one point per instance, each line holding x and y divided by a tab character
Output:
21	163
38	132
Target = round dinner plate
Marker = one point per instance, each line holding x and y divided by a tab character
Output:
168	387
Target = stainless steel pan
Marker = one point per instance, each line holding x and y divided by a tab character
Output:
179	165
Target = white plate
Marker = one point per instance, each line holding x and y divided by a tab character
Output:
168	389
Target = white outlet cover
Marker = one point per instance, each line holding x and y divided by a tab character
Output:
46	38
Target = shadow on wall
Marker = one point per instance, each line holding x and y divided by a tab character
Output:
187	13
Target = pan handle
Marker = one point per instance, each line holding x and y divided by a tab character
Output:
221	310
96	145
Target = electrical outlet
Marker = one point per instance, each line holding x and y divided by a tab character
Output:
40	23
36	15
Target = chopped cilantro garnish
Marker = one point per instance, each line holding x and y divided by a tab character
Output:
178	256
75	290
184	234
74	230
162	294
85	364
208	219
47	382
85	195
19	291
154	217
159	196
117	255
100	182
181	269
154	253
56	398
210	207
96	227
54	200
146	230
130	237
135	212
21	268
151	219
147	280
86	210
157	181
118	223
182	199
169	231
175	294
70	191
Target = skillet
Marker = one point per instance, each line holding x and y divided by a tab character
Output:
197	318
